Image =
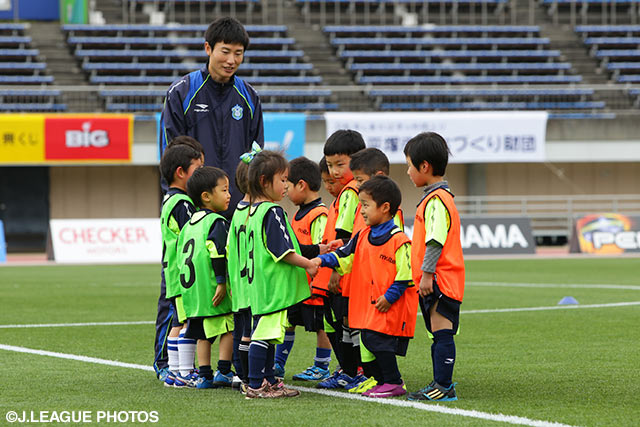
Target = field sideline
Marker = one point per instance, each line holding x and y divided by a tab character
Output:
79	338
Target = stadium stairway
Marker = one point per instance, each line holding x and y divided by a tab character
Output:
49	39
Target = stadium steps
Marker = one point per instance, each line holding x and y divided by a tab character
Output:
319	52
49	39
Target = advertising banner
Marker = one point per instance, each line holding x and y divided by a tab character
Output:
491	235
106	240
605	234
473	137
496	235
95	138
286	132
73	11
3	244
21	138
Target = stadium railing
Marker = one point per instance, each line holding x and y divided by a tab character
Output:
550	215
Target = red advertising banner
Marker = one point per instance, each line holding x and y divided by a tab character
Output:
88	138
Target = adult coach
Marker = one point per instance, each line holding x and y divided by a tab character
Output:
223	113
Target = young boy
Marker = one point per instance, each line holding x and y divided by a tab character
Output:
308	225
338	150
384	310
176	166
437	263
203	275
366	164
165	315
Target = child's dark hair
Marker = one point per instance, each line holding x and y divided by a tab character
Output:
175	157
344	141
226	30
429	147
383	189
307	170
323	165
242	177
262	169
203	179
370	161
186	140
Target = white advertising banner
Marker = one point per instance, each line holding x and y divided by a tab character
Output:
473	137
106	240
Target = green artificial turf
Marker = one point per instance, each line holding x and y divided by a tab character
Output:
574	366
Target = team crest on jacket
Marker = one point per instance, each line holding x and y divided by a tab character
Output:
236	112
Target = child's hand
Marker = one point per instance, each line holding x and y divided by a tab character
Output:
323	248
221	291
312	268
382	304
334	283
426	284
335	244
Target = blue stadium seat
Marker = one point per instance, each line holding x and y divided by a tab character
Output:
468	79
25	79
482	92
14	40
498	53
166	80
178	28
185	67
552	66
429	29
32	106
399	1
439	41
35	66
14	53
200	53
167	41
577	105
305	106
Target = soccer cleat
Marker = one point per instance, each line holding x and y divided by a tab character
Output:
355	382
312	373
222	380
332	381
287	392
202	382
162	373
388	390
264	392
435	392
236	382
188	380
364	386
278	371
170	379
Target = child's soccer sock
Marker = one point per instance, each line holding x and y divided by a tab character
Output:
205	371
323	357
336	346
224	366
243	350
349	362
173	355
444	356
269	372
389	367
371	369
237	337
186	353
257	360
283	350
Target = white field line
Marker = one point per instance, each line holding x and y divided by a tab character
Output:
511	419
552	307
554	285
67	325
75	357
491	310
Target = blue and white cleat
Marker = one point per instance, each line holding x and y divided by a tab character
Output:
222	380
312	373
